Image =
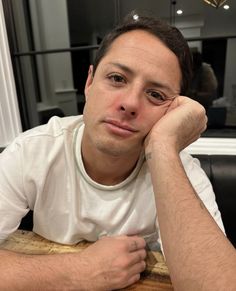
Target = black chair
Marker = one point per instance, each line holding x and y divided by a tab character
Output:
221	170
216	117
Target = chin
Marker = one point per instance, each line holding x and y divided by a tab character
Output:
117	148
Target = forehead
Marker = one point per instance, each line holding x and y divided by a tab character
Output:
136	34
137	38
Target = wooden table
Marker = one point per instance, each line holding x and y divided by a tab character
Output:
155	277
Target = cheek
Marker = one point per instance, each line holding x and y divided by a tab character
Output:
92	100
97	103
160	111
90	107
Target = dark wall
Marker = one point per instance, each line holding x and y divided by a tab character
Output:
214	53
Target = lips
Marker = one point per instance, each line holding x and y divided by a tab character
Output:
119	128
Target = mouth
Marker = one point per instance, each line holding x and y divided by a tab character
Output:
119	128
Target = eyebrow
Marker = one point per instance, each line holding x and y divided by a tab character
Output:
152	83
122	67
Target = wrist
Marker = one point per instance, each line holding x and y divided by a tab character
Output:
160	147
157	152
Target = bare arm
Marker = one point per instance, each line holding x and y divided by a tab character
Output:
198	255
108	264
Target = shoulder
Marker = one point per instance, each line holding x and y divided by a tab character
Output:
57	128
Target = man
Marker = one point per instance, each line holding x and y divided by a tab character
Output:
86	177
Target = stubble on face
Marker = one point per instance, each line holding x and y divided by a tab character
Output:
95	133
109	145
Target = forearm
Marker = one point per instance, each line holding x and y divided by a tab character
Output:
40	272
110	263
191	239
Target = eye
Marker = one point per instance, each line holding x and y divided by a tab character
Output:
116	78
156	96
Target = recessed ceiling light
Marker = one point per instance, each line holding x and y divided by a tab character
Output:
226	7
179	11
135	17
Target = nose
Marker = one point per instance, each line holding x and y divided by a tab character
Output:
130	103
126	110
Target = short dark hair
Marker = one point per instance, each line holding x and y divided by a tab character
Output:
168	34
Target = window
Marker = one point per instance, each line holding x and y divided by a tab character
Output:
53	42
10	125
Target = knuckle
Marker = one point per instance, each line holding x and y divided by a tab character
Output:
143	242
124	276
133	279
136	277
143	265
142	254
125	262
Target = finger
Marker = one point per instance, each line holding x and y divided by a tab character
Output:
138	256
133	279
137	268
173	104
136	243
179	100
183	100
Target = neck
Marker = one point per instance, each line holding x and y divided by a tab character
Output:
107	169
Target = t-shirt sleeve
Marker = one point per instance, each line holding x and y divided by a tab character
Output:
202	186
13	203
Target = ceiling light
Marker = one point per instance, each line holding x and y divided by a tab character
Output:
215	3
179	11
226	7
135	17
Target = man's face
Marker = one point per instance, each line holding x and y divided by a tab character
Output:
132	88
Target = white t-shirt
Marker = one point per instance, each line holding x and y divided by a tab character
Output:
42	170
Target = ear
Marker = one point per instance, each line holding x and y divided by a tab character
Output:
89	81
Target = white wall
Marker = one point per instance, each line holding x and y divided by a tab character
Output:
219	22
190	26
50	26
10	125
230	70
